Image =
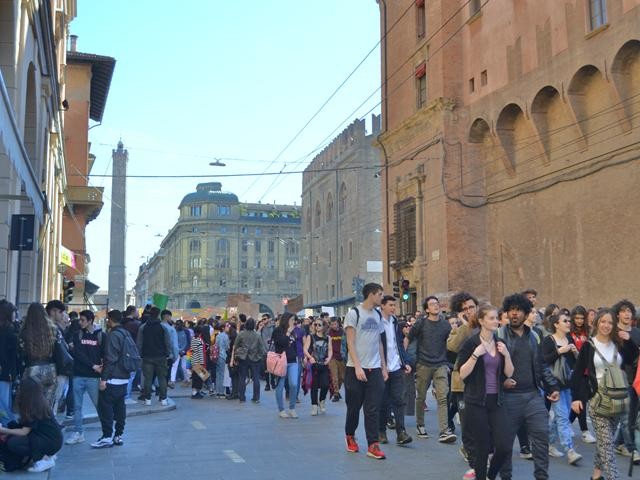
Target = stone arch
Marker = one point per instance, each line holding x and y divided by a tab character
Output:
474	162
589	96
8	45
552	121
516	137
625	71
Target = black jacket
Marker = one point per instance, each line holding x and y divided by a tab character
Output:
542	375
404	360
112	366
475	391
8	354
549	349
283	342
584	384
153	341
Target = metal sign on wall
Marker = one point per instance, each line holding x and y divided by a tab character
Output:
22	232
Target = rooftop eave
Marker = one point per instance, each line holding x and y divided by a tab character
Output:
102	68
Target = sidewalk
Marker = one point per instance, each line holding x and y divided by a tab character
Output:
91	416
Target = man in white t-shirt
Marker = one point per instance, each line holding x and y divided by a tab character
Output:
366	369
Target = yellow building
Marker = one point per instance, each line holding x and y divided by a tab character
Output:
220	247
32	161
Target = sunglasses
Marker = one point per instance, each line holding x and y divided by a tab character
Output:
317	324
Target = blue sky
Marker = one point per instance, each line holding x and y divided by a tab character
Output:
219	79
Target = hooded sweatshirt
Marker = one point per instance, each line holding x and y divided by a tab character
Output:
88	350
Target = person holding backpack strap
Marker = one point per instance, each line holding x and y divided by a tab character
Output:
559	353
598	378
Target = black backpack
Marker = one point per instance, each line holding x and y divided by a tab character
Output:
130	357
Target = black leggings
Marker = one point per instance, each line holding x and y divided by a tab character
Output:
320	382
488	426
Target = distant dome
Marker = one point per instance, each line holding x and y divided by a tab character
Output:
209	193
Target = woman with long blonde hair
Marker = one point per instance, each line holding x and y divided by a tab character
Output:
37	340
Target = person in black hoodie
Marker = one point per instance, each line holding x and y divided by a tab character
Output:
8	359
154	345
113	383
88	351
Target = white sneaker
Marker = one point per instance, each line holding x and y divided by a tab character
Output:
164	402
554	452
314	410
622	450
323	408
130	401
42	465
283	414
74	438
573	457
293	414
587	437
103	442
147	403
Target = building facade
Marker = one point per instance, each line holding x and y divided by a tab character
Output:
510	147
88	78
32	151
221	247
341	232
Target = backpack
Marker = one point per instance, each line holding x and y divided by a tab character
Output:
129	357
612	397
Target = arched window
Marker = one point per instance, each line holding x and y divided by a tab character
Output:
329	212
329	257
350	250
341	254
194	281
342	204
318	214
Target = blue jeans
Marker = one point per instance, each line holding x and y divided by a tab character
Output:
220	364
560	427
81	385
6	412
293	375
132	377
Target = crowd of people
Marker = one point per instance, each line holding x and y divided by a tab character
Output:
504	372
499	373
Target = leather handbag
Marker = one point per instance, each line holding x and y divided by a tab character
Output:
62	358
277	363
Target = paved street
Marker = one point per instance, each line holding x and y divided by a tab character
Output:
221	439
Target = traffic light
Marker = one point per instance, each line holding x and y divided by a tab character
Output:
405	290
67	290
396	289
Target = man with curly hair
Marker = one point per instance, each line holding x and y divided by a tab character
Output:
522	401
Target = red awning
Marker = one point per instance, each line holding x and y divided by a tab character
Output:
421	70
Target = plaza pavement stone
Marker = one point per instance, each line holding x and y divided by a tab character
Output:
223	439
